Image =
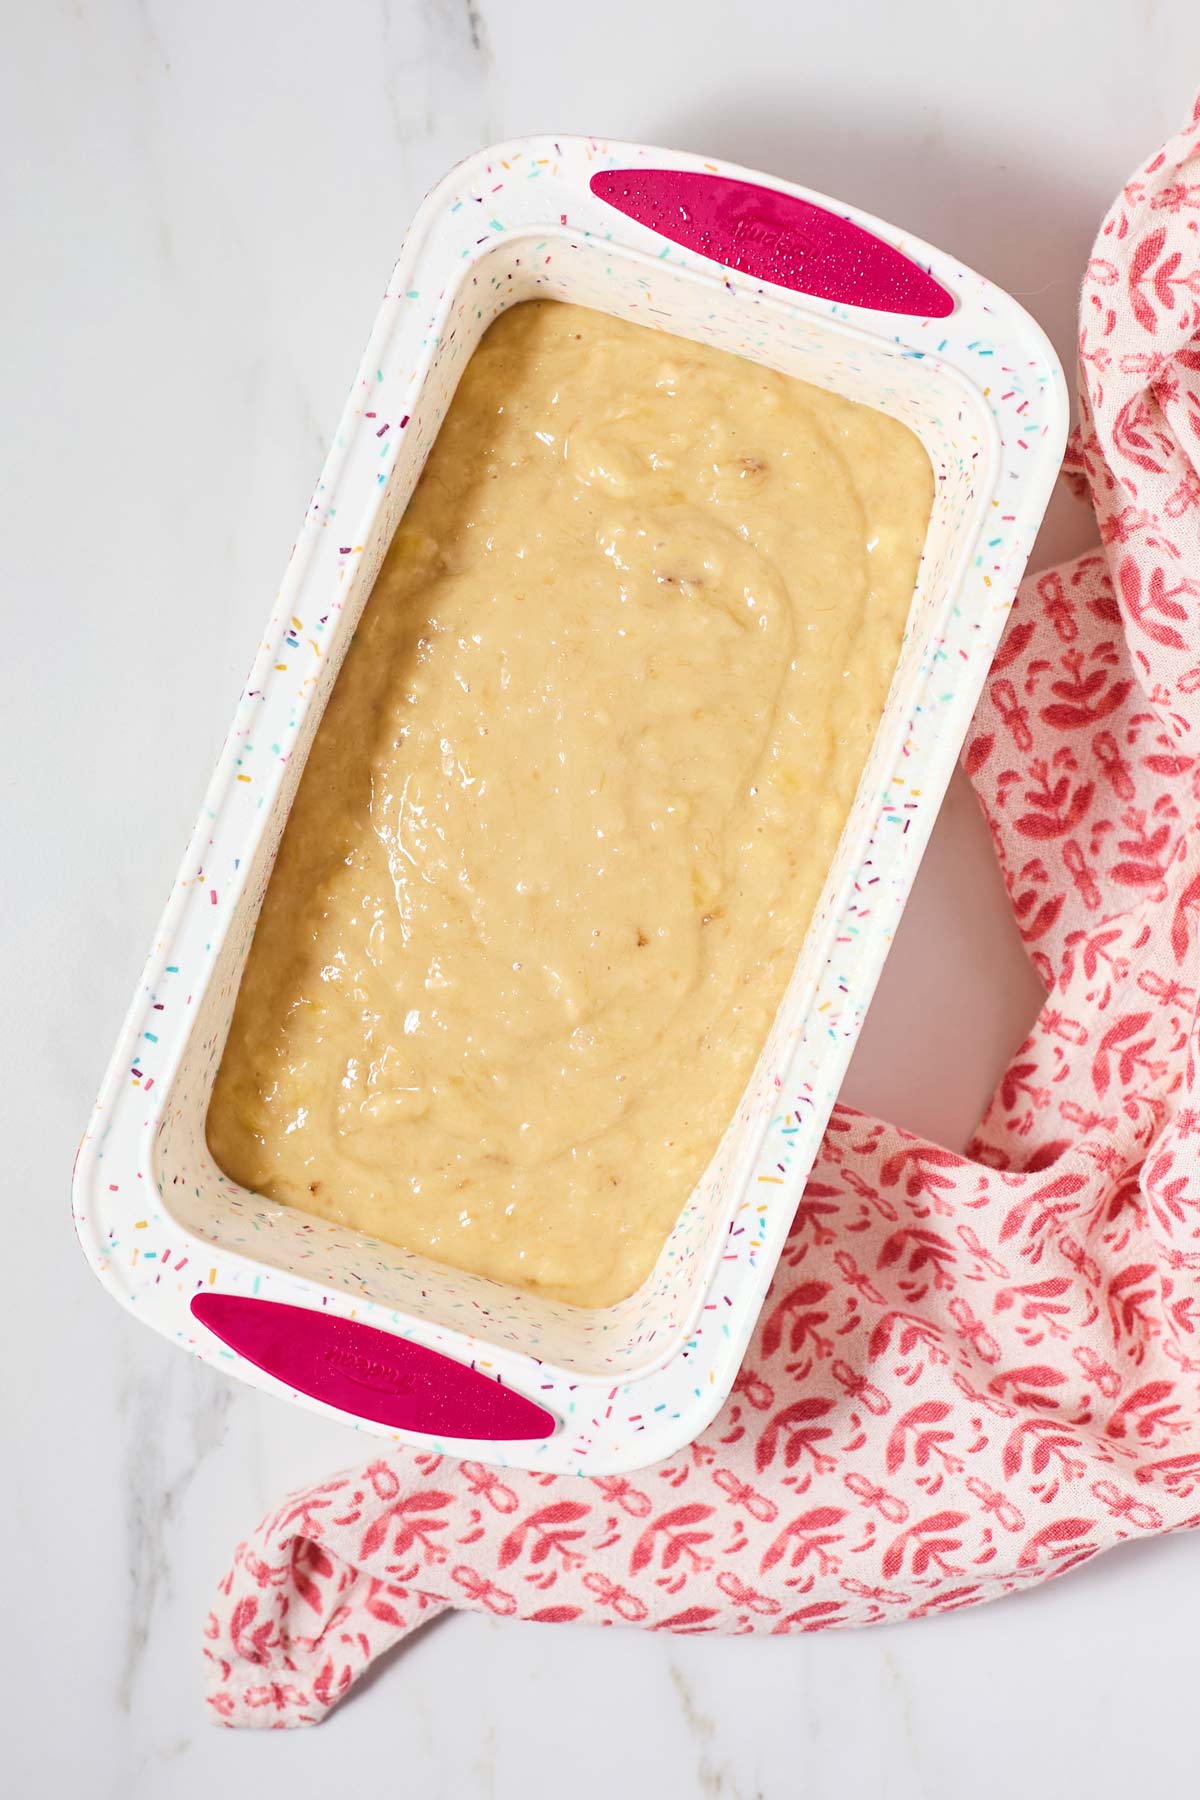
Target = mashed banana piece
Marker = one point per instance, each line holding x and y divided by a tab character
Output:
572	802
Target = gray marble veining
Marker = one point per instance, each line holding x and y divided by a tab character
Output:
156	1472
201	206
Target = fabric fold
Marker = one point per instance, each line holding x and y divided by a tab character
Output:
972	1372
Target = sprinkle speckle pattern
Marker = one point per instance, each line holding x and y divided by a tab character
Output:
633	1382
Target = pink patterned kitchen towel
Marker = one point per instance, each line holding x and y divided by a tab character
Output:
972	1372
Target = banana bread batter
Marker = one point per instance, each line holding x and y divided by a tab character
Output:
572	802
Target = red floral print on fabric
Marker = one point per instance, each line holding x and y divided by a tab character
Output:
972	1372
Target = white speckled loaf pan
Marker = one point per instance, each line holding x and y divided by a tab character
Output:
357	1328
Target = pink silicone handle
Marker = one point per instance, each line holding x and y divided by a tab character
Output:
775	237
369	1373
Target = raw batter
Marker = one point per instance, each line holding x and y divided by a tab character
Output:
572	802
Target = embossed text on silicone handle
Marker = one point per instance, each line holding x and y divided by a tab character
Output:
370	1373
775	237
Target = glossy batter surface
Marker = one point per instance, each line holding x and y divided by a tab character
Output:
572	802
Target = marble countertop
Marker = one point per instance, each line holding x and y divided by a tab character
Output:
202	205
